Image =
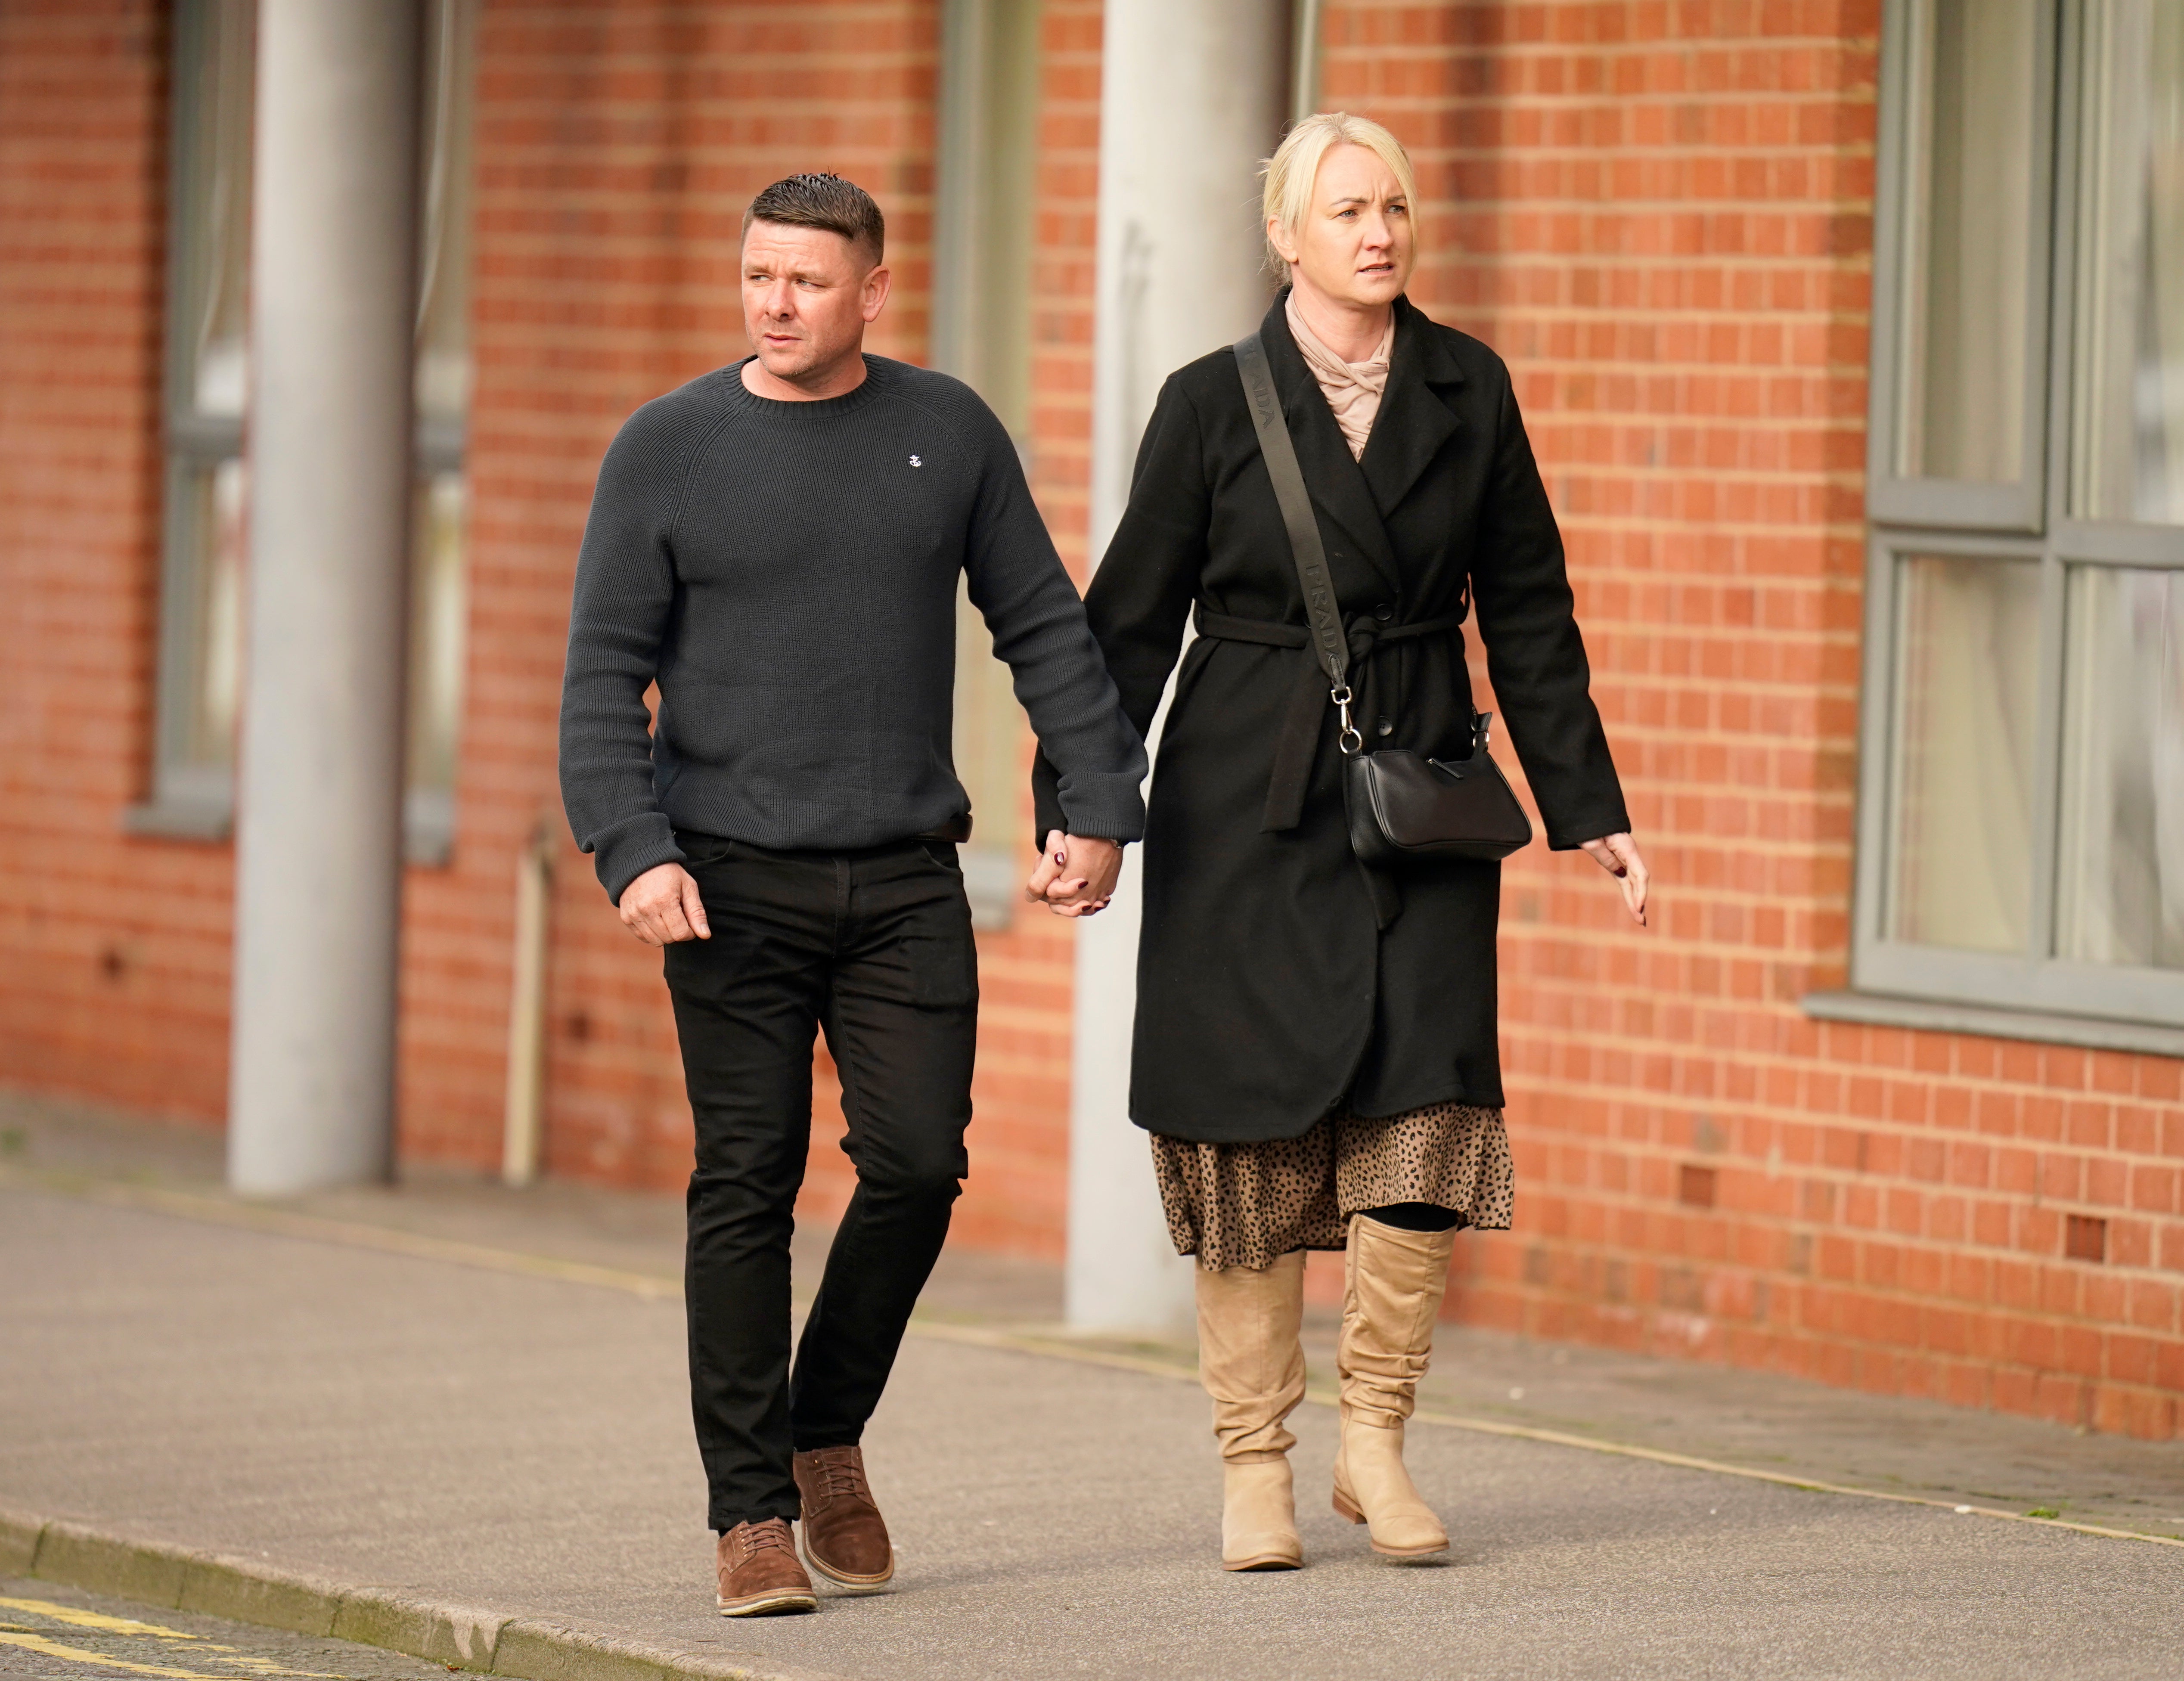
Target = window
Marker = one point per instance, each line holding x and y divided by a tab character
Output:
438	597
2021	827
204	540
982	334
201	598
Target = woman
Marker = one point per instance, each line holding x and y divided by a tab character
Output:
1315	1051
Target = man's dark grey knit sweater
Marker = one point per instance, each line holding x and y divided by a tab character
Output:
787	572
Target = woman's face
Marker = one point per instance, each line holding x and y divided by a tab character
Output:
1354	244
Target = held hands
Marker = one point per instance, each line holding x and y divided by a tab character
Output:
1076	874
661	907
1076	878
1619	855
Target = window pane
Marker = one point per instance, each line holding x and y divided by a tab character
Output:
1967	640
215	72
2127	451
444	288
439	576
215	184
437	592
210	686
1967	224
2120	891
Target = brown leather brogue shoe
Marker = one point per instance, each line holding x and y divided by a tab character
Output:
844	1537
759	1575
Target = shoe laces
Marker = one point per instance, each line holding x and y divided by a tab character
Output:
840	1475
773	1532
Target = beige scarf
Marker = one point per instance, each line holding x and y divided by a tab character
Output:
1353	389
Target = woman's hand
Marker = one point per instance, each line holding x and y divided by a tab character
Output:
1619	856
1076	874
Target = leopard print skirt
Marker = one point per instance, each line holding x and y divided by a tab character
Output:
1247	1205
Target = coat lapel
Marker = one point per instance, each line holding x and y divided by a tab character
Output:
1413	423
1331	473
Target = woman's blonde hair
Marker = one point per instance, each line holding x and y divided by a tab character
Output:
1290	172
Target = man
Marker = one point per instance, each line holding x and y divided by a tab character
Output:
776	545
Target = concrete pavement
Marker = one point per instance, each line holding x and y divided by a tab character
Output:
1807	1431
505	1439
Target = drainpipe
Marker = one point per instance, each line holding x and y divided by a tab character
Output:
523	1123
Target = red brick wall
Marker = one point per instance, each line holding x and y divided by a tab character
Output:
115	979
617	145
1661	215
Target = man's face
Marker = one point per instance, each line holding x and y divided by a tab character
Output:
808	294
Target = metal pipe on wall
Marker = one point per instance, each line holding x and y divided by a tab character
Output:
1193	94
1304	24
523	1122
319	837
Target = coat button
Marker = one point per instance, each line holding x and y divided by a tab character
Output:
1383	612
1387	727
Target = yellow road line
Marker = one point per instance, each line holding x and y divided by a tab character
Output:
99	1620
264	1666
45	1648
95	1619
654	1286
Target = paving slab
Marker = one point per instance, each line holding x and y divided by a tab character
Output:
418	1427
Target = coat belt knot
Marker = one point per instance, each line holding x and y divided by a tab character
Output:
1298	747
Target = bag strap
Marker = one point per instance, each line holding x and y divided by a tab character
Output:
1328	643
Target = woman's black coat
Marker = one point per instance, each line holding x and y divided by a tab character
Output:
1269	992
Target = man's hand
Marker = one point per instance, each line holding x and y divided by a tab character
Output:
662	907
1619	855
1076	874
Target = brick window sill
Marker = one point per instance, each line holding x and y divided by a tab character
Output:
1880	1009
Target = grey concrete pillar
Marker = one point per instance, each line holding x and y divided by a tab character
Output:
1193	94
318	851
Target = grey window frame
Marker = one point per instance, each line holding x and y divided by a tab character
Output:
1946	503
981	307
2035	994
190	800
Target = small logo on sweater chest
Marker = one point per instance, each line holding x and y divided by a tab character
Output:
915	462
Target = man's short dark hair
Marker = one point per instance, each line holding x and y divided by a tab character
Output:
823	200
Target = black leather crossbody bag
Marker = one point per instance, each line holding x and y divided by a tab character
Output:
1400	806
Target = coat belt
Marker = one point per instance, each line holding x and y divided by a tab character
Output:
1299	744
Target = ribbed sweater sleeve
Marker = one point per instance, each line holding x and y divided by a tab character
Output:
624	597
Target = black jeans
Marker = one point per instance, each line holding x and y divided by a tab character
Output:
875	947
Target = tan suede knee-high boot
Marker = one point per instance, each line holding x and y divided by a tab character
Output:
1392	1286
1252	1364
